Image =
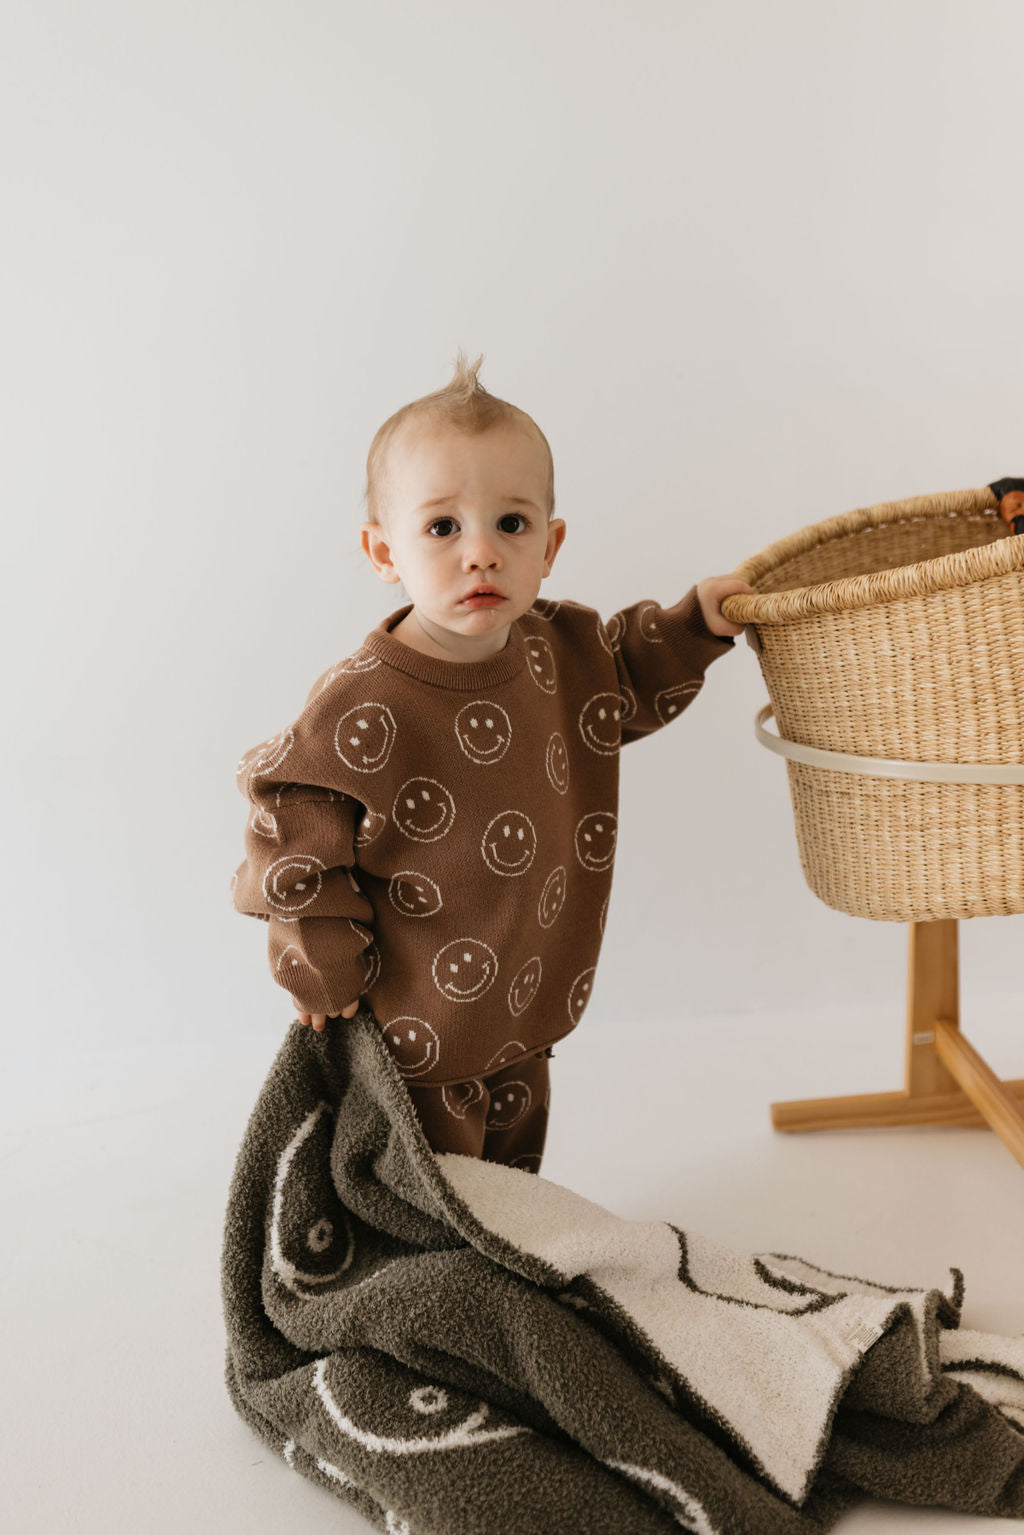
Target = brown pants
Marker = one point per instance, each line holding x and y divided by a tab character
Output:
500	1118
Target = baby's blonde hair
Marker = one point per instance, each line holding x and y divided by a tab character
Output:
463	405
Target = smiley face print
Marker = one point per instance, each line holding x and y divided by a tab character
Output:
311	1241
579	993
267	757
508	1052
371	961
423	809
627	704
595	840
615	628
484	731
669	702
525	986
371	825
430	1419
599	723
465	969
359	661
413	894
552	897
509	1103
292	883
413	1044
364	736
546	607
264	823
459	1097
540	659
509	843
556	760
647	621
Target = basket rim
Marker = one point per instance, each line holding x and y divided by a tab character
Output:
962	568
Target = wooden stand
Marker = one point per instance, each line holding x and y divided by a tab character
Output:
948	1083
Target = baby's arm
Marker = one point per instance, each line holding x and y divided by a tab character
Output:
299	878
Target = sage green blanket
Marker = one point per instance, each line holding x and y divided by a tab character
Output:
459	1348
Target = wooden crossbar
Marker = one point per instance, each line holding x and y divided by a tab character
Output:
947	1081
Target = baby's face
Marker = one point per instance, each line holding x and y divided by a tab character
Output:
1012	505
487	525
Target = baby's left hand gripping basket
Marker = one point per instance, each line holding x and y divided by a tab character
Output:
891	640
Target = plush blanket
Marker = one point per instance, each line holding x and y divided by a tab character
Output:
459	1348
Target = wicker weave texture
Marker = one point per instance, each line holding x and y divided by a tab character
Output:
898	631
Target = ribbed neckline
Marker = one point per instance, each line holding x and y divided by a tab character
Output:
458	675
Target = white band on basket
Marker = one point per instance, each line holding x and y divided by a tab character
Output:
887	767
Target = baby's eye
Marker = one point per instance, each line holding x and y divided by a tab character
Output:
515	517
442	522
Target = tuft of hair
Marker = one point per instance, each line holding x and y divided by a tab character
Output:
463	405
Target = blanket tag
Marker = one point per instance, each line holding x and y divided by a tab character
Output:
864	1334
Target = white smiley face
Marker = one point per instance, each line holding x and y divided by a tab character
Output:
509	843
647	619
615	628
311	1240
360	661
595	839
552	897
459	1097
599	723
540	660
465	969
627	703
556	760
525	986
372	824
670	701
290	967
265	758
508	1052
264	823
371	960
413	1044
483	730
579	994
430	1419
413	894
293	882
423	809
364	736
509	1103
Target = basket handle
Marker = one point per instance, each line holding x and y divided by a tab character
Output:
886	767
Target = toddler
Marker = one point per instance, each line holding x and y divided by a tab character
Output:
434	836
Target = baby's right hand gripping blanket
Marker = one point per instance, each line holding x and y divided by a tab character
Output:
455	1347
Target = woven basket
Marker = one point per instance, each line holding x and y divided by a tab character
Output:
892	645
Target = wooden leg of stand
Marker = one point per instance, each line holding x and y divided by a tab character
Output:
947	1082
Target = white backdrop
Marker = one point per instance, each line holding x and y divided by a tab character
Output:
748	266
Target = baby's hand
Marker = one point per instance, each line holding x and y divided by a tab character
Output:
710	594
319	1020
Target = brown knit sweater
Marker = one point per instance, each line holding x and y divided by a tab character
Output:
438	836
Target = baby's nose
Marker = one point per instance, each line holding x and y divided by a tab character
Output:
481	555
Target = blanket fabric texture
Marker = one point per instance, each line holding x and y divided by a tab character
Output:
455	1347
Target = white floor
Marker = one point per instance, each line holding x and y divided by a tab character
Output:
116	1173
